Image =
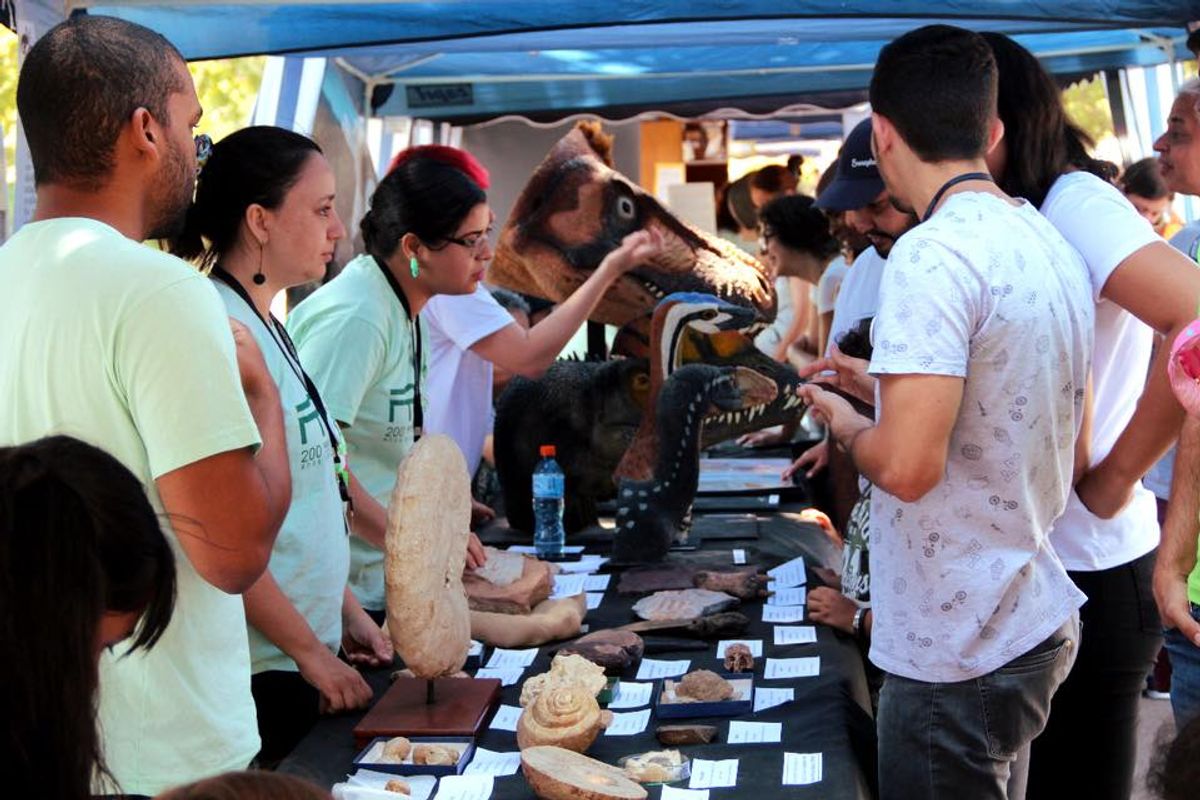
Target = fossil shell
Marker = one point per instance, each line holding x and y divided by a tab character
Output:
565	670
557	774
563	716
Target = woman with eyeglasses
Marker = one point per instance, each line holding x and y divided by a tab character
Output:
470	334
263	221
1108	534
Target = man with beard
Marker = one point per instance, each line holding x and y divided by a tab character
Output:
982	347
130	349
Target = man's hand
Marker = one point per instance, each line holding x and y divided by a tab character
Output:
635	249
476	555
828	408
842	372
768	437
814	459
340	685
830	607
1170	593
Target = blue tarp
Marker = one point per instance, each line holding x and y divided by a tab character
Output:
463	61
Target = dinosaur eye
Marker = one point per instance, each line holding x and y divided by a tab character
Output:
626	209
709	313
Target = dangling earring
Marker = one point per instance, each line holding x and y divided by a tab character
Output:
259	279
414	267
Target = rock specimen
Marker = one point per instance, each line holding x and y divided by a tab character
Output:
744	584
398	786
509	583
659	766
395	750
615	651
675	735
550	621
563	716
557	774
738	658
565	670
644	580
703	686
436	755
685	604
429	517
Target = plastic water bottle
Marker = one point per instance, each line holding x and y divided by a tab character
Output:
548	485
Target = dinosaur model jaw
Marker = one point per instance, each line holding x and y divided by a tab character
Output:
576	209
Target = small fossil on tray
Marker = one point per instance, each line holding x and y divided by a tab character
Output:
703	686
685	734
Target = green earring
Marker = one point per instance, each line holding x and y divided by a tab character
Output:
414	267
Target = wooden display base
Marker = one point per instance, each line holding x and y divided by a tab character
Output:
459	707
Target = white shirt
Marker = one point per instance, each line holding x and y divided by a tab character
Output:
964	579
769	338
826	292
460	382
858	297
1097	220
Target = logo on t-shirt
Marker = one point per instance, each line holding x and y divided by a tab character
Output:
400	398
307	413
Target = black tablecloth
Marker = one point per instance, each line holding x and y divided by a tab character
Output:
830	713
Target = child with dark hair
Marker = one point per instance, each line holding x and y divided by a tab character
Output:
1144	187
79	543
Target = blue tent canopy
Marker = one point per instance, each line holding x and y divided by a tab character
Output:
466	60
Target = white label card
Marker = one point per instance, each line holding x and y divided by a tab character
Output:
789	573
594	599
596	583
787	597
476	649
792	668
529	549
465	787
568	585
632	695
783	613
506	718
739	556
713	774
512	658
585	564
489	762
674	793
755	645
630	723
508	675
795	634
754	732
652	668
768	697
801	769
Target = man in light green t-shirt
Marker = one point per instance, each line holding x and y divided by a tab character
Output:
356	341
129	349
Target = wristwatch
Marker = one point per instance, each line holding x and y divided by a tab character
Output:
856	624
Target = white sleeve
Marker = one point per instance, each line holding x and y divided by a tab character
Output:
465	319
827	289
1096	219
927	312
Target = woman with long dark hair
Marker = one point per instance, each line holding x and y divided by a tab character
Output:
1108	534
84	566
264	221
361	336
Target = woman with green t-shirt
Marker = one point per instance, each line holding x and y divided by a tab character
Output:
360	335
263	221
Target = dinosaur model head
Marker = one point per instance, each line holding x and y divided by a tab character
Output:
576	209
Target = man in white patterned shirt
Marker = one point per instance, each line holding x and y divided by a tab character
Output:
982	346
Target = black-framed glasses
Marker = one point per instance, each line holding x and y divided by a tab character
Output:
204	146
474	241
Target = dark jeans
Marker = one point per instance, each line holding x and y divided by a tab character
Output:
287	710
968	739
1088	748
1185	678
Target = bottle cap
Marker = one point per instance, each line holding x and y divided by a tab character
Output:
547	451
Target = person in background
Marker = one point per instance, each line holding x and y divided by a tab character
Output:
770	182
129	349
1144	187
263	221
81	545
1107	534
518	307
471	334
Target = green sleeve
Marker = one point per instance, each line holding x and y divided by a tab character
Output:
175	363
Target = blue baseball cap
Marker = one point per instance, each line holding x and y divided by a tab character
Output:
856	183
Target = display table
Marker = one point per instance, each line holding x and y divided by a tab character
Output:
830	713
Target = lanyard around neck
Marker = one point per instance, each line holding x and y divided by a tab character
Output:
955	181
415	330
287	347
